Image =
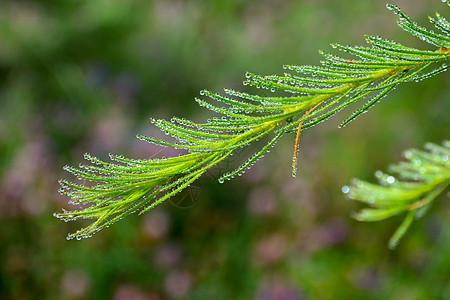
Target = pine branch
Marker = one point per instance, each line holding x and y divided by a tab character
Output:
128	185
420	181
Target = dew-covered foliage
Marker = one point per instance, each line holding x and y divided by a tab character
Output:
419	182
300	99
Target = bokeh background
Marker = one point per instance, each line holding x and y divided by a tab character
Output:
85	76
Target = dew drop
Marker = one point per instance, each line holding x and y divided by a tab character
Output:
345	189
390	179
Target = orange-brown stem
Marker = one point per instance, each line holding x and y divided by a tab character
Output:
294	165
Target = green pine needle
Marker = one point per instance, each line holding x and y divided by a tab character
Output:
126	185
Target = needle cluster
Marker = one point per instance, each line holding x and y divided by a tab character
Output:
419	182
302	98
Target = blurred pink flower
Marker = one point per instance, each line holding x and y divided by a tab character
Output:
178	284
75	284
261	201
168	255
271	248
156	224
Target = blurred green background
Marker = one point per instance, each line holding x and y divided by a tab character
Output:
85	76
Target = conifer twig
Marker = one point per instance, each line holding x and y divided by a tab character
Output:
419	182
128	185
